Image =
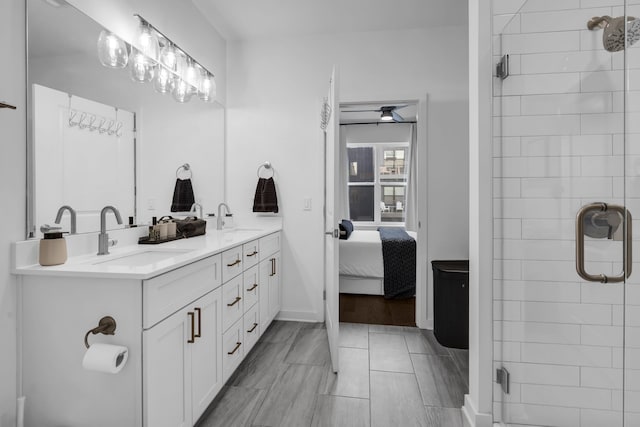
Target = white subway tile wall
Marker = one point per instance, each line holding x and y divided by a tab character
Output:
565	134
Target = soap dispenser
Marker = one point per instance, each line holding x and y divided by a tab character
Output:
53	249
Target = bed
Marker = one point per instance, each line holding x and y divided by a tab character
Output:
361	265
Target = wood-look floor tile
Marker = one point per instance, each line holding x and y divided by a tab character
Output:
439	380
310	347
426	343
337	411
461	359
392	329
259	369
233	407
388	352
354	335
444	417
292	398
281	331
395	400
352	380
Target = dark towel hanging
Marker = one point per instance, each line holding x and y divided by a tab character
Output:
183	197
265	199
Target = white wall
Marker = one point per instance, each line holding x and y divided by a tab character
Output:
275	89
13	191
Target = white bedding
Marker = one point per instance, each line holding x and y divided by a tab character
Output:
361	254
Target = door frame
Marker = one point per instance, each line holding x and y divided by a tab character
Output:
424	281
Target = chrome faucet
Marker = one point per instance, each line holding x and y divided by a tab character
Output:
103	237
220	222
193	209
72	212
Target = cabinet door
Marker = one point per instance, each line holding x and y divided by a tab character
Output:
206	360
275	294
166	389
265	275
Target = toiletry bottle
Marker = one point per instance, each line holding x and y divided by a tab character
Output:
53	249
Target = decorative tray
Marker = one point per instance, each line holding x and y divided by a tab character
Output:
144	240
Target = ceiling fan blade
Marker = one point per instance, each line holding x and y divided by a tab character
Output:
359	111
397	117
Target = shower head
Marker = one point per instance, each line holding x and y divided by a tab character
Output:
613	36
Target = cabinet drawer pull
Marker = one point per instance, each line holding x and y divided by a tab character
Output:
197	310
234	302
255	285
273	267
254	253
238	344
193	327
255	325
233	264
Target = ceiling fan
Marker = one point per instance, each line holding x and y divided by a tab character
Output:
388	112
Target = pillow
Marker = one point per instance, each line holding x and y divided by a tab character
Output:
346	228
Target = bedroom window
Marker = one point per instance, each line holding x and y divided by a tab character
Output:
377	182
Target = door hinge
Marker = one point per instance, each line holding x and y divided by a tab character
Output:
502	378
502	69
324	295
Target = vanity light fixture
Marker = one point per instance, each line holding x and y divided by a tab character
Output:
157	59
386	116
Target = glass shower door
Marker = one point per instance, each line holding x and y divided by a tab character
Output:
565	323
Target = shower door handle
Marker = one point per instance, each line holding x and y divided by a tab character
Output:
600	207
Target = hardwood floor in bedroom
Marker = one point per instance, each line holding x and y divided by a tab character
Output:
389	375
376	310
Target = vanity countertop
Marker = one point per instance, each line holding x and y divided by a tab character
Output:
134	261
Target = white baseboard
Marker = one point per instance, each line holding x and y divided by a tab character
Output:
299	316
472	418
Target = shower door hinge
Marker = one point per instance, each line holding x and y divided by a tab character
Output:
502	69
502	378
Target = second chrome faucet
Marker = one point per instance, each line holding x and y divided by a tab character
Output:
103	237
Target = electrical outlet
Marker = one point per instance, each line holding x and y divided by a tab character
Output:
151	204
307	204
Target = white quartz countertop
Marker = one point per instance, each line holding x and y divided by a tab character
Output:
135	261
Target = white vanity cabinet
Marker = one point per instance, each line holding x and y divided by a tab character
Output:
270	298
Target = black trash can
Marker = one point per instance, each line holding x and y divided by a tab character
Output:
451	303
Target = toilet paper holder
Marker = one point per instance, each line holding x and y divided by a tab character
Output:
106	326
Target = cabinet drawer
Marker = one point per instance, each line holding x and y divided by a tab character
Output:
232	349
269	245
232	304
232	264
165	294
251	321
251	253
251	287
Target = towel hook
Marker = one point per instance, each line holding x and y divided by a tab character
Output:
106	326
185	168
267	166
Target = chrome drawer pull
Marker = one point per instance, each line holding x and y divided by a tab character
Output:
233	264
193	327
254	253
255	285
255	325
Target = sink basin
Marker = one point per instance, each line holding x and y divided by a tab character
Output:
138	259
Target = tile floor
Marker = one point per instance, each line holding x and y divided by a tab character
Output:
389	376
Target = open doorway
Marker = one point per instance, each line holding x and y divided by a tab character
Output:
379	145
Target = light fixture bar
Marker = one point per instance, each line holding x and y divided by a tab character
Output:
144	21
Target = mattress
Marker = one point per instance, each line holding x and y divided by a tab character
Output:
361	254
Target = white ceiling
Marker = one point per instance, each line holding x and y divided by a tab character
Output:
250	19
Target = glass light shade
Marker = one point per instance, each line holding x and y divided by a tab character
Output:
207	89
163	82
192	75
141	69
182	91
168	57
148	42
181	64
112	51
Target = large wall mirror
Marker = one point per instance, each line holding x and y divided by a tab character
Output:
97	138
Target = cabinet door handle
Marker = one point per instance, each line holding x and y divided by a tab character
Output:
238	344
255	325
254	253
193	327
233	264
255	285
273	267
234	302
197	310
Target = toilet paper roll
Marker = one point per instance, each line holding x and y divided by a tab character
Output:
106	358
